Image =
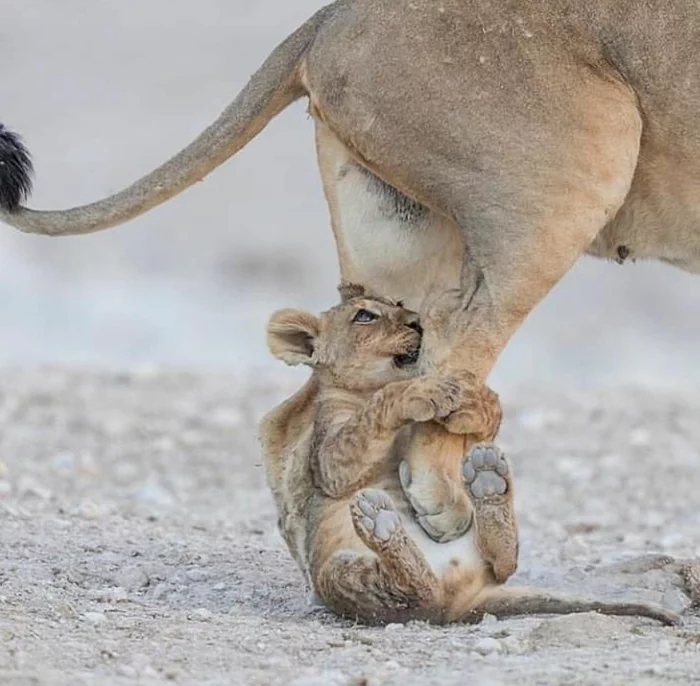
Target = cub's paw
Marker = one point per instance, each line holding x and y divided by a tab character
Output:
430	398
485	469
375	519
479	414
487	480
442	508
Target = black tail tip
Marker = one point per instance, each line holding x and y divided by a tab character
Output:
16	171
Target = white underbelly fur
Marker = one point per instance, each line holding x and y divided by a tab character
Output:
442	556
377	241
397	258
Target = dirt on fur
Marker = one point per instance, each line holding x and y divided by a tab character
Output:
138	542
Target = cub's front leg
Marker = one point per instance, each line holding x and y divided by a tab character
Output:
350	444
479	413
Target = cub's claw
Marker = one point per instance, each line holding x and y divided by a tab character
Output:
432	398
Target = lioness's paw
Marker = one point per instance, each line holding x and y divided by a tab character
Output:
447	526
431	398
442	508
374	517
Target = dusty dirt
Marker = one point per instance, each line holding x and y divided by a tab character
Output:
138	542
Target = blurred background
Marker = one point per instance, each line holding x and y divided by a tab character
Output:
102	92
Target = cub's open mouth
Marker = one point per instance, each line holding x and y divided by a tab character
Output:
407	359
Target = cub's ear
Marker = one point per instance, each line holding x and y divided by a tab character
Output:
348	291
291	336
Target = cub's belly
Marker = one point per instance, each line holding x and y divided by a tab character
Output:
461	554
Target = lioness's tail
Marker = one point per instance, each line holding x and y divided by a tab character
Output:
270	90
508	601
15	170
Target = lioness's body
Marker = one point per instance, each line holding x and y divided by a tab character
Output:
333	456
526	133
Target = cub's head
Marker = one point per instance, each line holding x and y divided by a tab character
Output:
361	344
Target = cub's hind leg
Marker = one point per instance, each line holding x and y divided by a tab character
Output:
489	484
381	575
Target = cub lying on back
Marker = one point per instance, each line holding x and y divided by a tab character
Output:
333	458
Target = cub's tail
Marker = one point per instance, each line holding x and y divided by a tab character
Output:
509	601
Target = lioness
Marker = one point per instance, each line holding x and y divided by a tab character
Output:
334	457
470	150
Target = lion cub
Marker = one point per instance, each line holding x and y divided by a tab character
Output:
333	456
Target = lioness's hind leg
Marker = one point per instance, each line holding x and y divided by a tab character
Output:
488	481
393	582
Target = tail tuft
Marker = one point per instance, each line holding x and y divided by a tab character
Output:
16	171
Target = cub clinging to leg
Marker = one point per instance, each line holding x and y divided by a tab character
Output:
334	453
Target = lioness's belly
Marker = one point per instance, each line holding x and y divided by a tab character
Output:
404	250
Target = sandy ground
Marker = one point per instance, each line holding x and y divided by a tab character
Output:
138	542
137	539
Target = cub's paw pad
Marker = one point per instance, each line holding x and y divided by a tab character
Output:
484	470
374	513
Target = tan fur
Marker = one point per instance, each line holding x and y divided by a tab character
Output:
334	453
520	134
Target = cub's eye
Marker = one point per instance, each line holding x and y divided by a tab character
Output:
364	317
